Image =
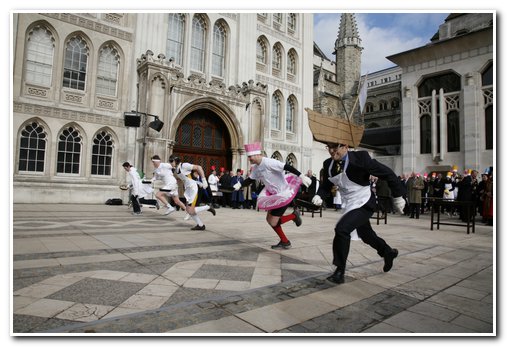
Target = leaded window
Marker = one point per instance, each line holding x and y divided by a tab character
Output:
107	75
289	117
69	151
277	58
102	154
291	21
218	59
291	63
175	36
32	148
261	51
75	64
39	57
275	112
198	44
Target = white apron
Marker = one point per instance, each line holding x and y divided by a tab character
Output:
353	196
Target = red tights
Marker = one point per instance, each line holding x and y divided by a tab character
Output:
278	228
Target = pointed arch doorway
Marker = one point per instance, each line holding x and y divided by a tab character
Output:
202	138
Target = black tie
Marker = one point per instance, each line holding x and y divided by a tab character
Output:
339	167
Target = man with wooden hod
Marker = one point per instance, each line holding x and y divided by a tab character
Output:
350	171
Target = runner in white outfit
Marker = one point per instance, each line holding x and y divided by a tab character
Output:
184	173
164	172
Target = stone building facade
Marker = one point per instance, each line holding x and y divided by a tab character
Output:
215	80
448	107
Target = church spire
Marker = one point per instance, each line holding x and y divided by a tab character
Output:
348	35
348	59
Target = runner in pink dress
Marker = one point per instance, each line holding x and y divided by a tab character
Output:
279	190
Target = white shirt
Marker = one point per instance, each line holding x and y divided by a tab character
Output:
213	182
270	172
184	172
165	173
135	180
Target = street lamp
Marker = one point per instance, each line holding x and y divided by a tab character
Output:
133	119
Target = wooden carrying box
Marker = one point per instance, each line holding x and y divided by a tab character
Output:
333	129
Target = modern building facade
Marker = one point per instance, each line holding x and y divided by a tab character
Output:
448	107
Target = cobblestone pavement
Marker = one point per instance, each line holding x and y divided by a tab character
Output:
97	269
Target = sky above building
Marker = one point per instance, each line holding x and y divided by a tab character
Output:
382	34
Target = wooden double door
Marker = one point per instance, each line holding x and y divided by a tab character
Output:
202	139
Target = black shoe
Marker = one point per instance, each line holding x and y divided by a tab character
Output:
337	277
298	219
282	245
212	210
388	259
197	227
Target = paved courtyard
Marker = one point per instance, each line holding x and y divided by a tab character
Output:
97	269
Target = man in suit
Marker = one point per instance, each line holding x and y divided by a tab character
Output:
350	171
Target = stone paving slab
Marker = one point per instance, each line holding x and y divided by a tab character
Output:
90	268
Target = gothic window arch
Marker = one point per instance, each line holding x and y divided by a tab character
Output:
102	153
276	110
395	104
291	160
292	22
75	63
175	37
69	151
107	74
369	107
277	59
219	49
290	114
262	51
382	105
276	155
292	63
198	45
32	148
39	56
278	18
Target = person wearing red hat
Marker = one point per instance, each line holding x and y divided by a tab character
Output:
279	190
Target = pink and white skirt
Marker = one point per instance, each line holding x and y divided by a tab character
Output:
268	201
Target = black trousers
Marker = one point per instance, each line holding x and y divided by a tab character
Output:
148	201
135	204
358	219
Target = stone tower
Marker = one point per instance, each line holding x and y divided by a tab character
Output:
348	59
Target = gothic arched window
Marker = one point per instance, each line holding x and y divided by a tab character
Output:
102	154
75	64
198	50
69	151
107	75
32	148
39	57
175	36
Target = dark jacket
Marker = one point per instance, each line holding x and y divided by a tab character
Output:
359	169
